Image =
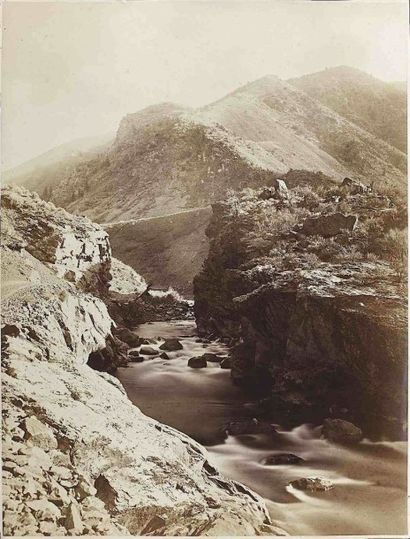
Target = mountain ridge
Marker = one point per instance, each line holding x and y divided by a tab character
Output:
167	158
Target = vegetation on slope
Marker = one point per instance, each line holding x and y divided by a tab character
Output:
377	106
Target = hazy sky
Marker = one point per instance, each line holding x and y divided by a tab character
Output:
74	69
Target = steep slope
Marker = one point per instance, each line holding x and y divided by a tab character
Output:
377	106
42	171
168	250
162	162
78	457
310	288
304	134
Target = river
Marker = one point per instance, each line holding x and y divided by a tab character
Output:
369	496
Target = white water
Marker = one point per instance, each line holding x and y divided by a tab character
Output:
369	497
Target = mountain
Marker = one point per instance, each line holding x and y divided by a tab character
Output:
304	134
39	171
166	158
377	106
167	250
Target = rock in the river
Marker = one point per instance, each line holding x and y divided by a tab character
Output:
282	458
341	431
197	362
212	358
328	225
171	345
250	426
148	351
113	355
135	357
164	355
312	484
127	336
226	363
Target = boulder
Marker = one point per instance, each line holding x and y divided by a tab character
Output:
278	191
226	363
171	345
212	358
84	489
44	510
10	330
134	356
282	458
197	362
354	187
127	336
281	188
328	225
250	426
341	432
164	355
312	484
107	359
148	351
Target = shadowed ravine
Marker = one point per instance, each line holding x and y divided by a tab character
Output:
369	496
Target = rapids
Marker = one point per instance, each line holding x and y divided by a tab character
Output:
369	497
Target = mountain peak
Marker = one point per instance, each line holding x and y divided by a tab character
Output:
261	87
342	73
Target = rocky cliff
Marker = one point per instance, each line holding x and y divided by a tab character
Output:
75	248
78	457
307	285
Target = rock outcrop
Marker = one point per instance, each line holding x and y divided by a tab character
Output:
78	457
316	323
77	249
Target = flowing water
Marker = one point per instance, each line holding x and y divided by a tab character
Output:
369	497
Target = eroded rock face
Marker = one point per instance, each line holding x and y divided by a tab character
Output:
74	247
328	225
79	457
312	335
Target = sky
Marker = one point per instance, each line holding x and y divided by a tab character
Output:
74	69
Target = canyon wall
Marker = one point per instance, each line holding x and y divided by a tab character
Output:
312	301
78	457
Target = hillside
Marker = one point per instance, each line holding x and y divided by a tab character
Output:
377	106
166	158
168	250
304	134
41	171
